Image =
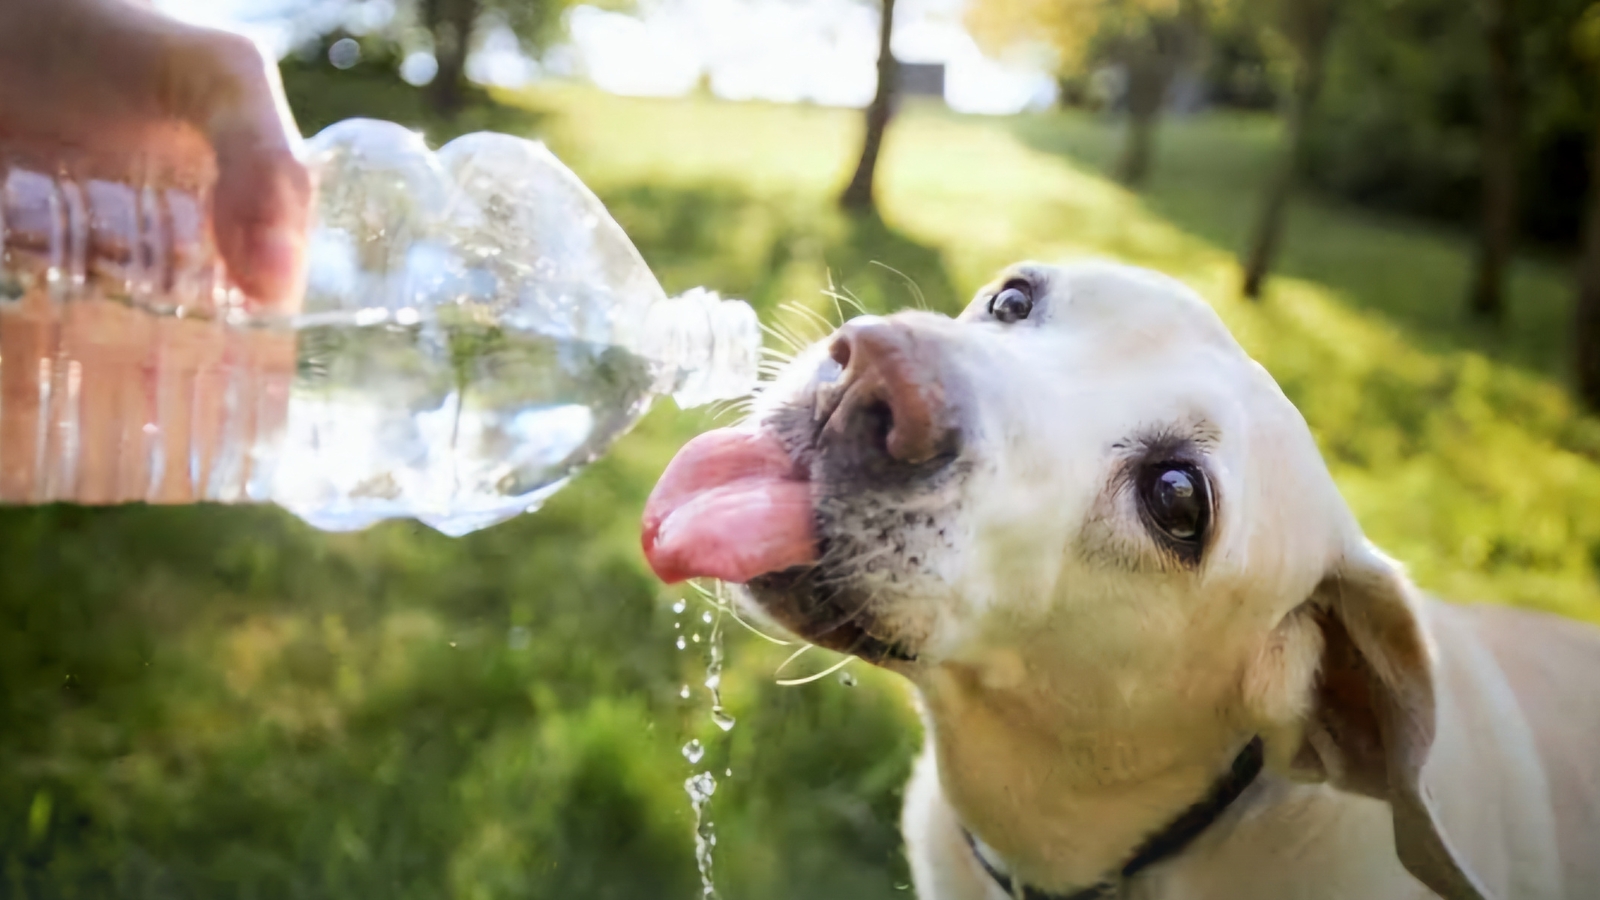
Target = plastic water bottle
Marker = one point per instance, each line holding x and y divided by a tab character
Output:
475	329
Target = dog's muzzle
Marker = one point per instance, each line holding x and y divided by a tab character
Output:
882	399
736	504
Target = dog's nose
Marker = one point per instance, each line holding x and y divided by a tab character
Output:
887	391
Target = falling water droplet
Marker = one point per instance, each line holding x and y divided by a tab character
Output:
701	785
727	773
700	788
680	606
714	678
847	679
676	626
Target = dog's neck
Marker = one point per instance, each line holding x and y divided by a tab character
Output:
1063	791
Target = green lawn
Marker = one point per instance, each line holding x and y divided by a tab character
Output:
217	703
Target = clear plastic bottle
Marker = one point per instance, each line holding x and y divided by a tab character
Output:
475	329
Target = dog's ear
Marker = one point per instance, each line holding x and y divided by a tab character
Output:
1371	718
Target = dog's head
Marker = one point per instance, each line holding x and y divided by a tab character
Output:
1077	508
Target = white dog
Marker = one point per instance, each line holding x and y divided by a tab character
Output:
1155	655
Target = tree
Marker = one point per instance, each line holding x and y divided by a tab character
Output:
1502	133
1306	27
1586	318
451	23
1150	40
858	195
1153	49
450	29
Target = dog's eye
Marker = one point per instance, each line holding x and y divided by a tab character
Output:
1012	304
1176	500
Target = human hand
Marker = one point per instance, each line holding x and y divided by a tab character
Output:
109	82
102	403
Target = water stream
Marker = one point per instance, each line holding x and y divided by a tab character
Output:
702	784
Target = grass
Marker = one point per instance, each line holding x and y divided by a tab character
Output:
1457	446
216	702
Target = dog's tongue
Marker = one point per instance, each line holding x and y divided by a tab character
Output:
729	506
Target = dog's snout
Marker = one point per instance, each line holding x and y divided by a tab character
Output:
888	392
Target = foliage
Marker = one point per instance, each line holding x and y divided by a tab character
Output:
220	703
1080	33
1240	68
1402	112
448	29
1149	41
536	23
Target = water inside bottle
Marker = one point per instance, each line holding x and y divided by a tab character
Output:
458	423
475	329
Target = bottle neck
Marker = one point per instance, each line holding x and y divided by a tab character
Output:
709	348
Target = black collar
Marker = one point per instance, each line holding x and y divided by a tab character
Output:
1166	843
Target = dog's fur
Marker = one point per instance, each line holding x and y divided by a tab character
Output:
1082	684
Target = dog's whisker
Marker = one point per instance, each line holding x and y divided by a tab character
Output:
792	657
848	568
844	621
916	290
850	297
798	340
813	315
718	601
832	294
796	682
840	297
736	408
795	347
721	408
733	611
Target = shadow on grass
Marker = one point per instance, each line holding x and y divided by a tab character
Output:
321	96
767	251
1207	181
222	703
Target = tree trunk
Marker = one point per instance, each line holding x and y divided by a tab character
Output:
1501	132
858	195
1313	54
451	23
1149	76
1586	330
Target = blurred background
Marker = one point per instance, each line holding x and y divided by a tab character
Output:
1392	202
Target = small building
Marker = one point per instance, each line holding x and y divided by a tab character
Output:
922	79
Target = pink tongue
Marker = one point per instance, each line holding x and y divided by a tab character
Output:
729	506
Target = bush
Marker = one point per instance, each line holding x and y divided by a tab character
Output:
1402	112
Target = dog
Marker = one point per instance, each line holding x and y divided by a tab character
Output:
1154	653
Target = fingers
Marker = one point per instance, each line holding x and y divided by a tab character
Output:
108	79
262	199
261	209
